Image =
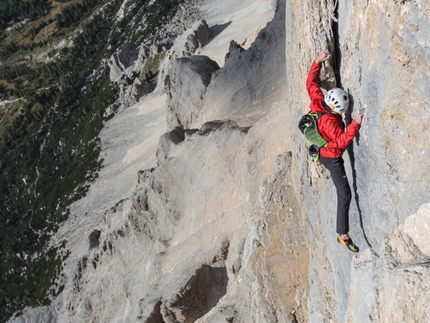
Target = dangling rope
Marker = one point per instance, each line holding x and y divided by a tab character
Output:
332	16
350	151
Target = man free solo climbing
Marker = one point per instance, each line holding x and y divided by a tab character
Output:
333	104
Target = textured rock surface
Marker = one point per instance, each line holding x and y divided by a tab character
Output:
186	87
129	66
383	62
197	39
417	227
130	95
122	61
226	219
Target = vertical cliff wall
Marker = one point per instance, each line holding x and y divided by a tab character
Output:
382	58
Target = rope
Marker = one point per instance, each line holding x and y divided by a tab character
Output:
332	16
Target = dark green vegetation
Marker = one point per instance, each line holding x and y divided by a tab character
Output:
152	16
49	146
48	154
13	11
71	16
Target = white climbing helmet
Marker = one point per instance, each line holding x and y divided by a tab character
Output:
337	100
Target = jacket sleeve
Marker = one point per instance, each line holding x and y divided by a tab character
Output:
313	88
338	138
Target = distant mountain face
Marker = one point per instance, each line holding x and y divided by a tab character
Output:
167	174
54	91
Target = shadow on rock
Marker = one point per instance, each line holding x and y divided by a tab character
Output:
215	30
201	293
350	150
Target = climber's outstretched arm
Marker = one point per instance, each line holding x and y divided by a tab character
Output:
312	85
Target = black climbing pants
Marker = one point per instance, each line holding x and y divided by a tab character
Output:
337	172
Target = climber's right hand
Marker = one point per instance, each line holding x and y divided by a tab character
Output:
358	117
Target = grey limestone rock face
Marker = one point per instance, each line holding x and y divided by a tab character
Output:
392	286
200	294
130	94
122	61
382	70
251	79
127	65
196	40
186	87
123	64
42	314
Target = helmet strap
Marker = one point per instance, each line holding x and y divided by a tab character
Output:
326	106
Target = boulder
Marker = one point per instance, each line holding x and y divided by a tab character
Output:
121	62
130	94
196	40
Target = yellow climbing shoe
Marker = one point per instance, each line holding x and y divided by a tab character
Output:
348	243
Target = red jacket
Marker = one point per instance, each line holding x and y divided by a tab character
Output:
330	125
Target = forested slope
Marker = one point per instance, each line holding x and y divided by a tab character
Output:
54	91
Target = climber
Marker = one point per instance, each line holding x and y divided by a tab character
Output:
334	103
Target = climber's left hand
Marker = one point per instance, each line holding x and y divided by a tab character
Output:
323	56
